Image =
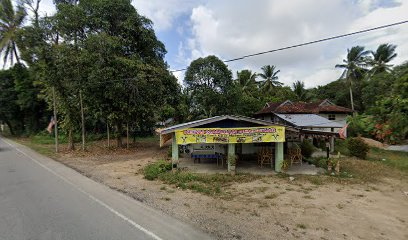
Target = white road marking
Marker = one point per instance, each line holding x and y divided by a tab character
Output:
130	221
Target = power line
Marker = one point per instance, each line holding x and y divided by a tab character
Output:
265	52
307	43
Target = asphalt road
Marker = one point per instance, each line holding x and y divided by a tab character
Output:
43	199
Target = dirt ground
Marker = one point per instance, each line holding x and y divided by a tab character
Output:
270	207
374	143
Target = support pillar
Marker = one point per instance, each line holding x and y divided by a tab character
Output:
332	144
278	156
174	152
231	158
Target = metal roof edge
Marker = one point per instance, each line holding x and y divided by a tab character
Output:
220	118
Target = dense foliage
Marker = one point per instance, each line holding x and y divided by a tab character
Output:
103	59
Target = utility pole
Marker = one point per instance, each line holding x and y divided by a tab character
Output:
55	119
82	120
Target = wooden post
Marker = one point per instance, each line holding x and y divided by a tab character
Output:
55	119
82	120
107	129
278	156
174	152
231	158
332	144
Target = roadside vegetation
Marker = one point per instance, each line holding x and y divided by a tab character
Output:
99	88
209	184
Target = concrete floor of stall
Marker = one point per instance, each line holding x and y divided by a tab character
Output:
209	166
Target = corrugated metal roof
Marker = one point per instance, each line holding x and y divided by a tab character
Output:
220	118
309	120
302	107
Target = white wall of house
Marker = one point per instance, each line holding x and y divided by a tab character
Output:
339	117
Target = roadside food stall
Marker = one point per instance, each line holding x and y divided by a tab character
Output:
228	138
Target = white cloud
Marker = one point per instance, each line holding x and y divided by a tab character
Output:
47	7
163	13
232	30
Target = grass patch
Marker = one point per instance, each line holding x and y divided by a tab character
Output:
369	171
209	184
152	171
316	180
271	196
301	226
394	159
44	149
340	206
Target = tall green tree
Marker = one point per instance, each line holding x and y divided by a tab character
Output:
384	54
107	53
10	113
300	91
208	81
355	66
247	81
11	21
270	78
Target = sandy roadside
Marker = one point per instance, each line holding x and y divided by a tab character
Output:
267	208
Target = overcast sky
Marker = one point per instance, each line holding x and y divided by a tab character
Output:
232	28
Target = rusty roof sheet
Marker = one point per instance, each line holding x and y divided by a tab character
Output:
302	107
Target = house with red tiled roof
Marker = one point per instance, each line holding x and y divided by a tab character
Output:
322	115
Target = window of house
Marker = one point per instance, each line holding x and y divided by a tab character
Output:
332	117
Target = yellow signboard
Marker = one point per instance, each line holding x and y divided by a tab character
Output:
231	135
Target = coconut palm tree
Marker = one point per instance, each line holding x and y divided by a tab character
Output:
381	57
300	91
270	78
355	66
246	80
11	20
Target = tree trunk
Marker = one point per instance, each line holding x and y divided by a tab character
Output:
82	120
351	99
107	129
15	52
127	135
71	145
119	135
55	119
10	127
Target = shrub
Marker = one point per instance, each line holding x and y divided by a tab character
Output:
341	146
307	148
357	147
319	162
152	171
